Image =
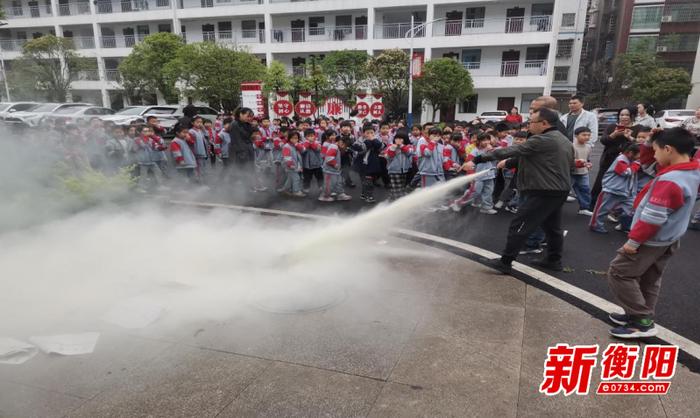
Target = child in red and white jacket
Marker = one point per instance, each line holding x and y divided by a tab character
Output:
293	165
662	211
332	179
182	154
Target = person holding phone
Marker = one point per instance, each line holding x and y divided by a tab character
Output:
615	139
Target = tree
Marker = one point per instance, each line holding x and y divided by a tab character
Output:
388	74
346	71
47	65
143	69
642	77
444	83
213	73
314	80
276	78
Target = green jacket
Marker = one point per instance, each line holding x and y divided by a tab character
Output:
545	162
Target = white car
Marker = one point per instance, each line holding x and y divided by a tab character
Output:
34	117
8	108
672	118
76	114
167	115
493	116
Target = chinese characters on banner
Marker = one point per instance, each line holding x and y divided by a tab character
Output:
417	61
305	107
569	369
282	105
369	106
252	97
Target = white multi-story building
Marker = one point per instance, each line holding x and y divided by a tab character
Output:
515	50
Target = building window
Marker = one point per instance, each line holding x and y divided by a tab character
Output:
612	23
471	59
317	25
678	42
646	17
682	13
469	105
565	48
249	28
561	74
474	17
568	19
642	43
164	27
584	49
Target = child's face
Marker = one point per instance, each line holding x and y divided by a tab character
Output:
265	123
520	140
311	138
323	124
368	134
331	139
208	124
255	137
118	133
181	134
632	155
226	126
398	141
662	155
342	146
484	144
455	143
132	131
294	139
146	132
345	130
198	124
583	137
435	137
643	137
384	130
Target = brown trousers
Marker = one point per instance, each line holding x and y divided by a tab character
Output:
635	279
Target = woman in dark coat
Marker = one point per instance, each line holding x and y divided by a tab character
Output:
615	139
241	151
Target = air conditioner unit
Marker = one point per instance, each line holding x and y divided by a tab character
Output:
667	18
661	48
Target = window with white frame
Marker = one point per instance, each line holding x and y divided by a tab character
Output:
568	19
469	105
317	25
474	17
561	74
565	48
646	17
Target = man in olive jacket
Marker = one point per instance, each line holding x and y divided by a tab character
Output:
545	162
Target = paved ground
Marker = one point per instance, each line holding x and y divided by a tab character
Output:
587	255
442	336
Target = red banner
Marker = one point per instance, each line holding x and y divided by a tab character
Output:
417	61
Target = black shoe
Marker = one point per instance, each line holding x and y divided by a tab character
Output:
499	265
548	265
619	319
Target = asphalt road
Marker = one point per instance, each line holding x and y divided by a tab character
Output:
586	254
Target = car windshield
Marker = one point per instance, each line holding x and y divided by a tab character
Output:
46	107
501	113
4	106
681	112
161	111
132	110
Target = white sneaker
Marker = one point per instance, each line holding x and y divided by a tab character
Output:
443	208
325	199
488	211
585	212
570	199
455	207
613	218
299	194
498	204
343	197
475	205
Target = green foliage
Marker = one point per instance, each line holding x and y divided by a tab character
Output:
444	83
642	77
47	64
88	187
346	71
143	69
276	78
213	73
314	81
388	74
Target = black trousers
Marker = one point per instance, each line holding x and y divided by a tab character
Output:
309	174
535	210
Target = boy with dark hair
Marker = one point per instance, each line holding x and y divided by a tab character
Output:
367	161
619	189
184	159
580	181
347	139
199	139
662	211
312	160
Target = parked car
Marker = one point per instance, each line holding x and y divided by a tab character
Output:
606	117
167	115
12	107
35	116
672	118
76	114
493	116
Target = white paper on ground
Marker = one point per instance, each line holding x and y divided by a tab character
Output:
67	344
14	351
136	312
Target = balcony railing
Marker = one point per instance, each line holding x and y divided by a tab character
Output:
397	30
74	8
327	33
252	36
25	12
479	26
87	75
298	71
507	68
190	4
12	44
83	42
125	6
113	75
121	41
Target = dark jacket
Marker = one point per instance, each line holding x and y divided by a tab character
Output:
241	147
544	162
613	148
367	156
